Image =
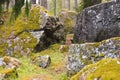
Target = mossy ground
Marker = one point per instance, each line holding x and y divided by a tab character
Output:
56	70
27	71
106	69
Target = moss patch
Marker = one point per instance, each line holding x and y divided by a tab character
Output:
106	69
69	19
9	74
9	31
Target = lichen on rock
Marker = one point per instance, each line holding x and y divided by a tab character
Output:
81	55
98	22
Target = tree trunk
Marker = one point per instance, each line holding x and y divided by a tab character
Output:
68	4
33	1
63	3
44	3
54	7
76	3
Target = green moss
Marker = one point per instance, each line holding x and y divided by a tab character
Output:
69	19
29	41
102	55
96	44
26	41
2	49
9	74
106	69
64	48
30	23
21	24
56	70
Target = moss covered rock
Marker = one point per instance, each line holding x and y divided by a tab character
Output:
8	68
106	69
7	62
69	20
15	39
31	22
8	74
81	55
63	48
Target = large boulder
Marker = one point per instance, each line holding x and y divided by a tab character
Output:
53	33
81	55
98	22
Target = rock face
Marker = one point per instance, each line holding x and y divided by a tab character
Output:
98	22
81	55
53	33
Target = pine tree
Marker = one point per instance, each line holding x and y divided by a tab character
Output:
17	7
87	3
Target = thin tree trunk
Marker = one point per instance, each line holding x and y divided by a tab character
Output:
33	1
44	3
76	3
54	7
68	4
63	3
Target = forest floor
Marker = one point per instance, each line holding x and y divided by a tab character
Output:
56	70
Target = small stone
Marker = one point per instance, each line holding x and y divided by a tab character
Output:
43	61
11	62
